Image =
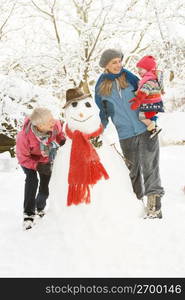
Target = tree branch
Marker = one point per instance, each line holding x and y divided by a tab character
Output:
52	16
43	11
5	22
97	37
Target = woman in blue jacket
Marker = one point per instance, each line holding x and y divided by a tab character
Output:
113	90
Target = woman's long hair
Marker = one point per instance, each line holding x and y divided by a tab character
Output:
106	85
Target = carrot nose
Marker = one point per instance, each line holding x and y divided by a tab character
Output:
81	115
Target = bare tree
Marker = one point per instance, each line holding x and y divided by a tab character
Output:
51	15
99	33
6	19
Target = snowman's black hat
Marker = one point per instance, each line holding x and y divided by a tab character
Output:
74	94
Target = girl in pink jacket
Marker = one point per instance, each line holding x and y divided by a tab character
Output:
149	94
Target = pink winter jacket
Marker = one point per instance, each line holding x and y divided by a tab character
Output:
27	145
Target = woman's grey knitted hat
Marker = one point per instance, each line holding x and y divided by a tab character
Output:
108	55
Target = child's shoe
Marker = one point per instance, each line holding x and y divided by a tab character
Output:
155	131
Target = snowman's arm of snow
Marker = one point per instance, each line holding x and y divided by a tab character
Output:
103	110
23	152
110	134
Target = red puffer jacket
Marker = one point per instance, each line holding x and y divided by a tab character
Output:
28	148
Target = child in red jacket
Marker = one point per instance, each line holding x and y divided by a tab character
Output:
36	146
148	96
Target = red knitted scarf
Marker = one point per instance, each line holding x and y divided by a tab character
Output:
85	166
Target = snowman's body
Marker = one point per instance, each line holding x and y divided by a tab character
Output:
112	201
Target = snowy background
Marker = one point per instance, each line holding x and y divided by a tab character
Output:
48	46
38	63
138	248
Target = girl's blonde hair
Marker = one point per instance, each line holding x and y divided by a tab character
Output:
105	87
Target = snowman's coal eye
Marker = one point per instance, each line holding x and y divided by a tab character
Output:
87	104
74	104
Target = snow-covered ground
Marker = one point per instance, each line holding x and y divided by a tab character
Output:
141	248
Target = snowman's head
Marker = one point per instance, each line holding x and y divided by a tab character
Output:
82	114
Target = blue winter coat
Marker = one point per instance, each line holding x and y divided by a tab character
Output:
117	107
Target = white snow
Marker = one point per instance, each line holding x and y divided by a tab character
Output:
173	128
132	248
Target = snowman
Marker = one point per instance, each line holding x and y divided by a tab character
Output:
90	180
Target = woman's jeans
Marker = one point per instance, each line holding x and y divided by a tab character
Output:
32	199
142	159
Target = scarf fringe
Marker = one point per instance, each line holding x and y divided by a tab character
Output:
78	193
97	172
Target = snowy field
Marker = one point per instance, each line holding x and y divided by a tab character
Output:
140	248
